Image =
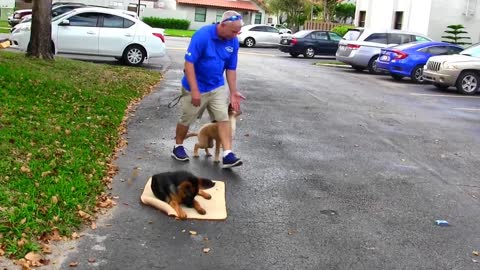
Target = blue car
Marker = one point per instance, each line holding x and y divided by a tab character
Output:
407	60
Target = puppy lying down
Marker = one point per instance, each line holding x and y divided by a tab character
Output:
185	196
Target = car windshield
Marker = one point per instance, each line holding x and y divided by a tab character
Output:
54	19
352	34
408	45
472	51
302	33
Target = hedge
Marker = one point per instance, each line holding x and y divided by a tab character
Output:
167	23
342	29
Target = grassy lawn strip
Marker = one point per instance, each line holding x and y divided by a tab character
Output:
179	33
4	27
59	125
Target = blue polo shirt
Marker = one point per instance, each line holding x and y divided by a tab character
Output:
211	56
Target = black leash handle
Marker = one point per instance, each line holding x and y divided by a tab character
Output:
174	102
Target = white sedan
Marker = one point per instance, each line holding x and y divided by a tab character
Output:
101	32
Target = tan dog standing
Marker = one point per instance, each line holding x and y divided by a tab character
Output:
208	133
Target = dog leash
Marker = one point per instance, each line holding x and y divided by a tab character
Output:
174	102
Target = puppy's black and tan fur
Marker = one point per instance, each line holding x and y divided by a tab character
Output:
181	187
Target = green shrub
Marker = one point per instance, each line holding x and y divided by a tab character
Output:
167	23
341	29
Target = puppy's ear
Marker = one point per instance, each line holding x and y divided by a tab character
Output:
205	183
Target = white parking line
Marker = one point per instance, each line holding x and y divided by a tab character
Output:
468	109
448	96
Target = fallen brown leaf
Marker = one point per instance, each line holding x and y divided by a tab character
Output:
206	250
34	259
192	232
73	264
92	260
25	169
93	226
46	248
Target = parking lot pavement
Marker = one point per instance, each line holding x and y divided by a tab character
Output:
342	170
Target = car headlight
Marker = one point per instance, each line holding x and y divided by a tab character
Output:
447	65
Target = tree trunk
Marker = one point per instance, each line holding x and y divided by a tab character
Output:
40	45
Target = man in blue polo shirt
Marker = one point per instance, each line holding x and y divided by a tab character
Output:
212	52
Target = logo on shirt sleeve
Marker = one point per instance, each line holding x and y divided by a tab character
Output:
229	49
188	53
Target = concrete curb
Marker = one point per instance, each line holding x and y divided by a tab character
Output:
332	65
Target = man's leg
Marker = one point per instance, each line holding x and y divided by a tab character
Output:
180	133
218	105
189	113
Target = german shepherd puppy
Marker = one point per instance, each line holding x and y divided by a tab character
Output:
181	187
208	133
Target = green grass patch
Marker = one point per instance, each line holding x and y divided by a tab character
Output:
59	123
4	27
329	63
179	33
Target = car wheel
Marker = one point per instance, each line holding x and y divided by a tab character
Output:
417	74
441	86
358	68
294	55
468	82
397	77
249	42
372	65
309	52
134	55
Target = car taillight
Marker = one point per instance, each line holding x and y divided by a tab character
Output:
160	36
400	55
294	41
353	46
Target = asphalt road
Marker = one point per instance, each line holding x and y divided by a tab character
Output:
342	170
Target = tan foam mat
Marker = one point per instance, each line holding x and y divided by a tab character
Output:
216	207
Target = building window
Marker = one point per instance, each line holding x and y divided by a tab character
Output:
200	14
398	20
219	15
258	18
361	18
270	20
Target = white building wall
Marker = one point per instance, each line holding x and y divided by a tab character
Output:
380	14
447	12
7	3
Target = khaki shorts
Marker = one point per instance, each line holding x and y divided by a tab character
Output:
215	101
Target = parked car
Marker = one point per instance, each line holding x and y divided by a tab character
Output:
259	35
360	47
282	28
100	32
407	60
461	71
310	43
58	9
17	16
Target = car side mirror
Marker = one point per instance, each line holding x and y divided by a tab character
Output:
64	23
54	14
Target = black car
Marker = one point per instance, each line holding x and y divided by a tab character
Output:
310	43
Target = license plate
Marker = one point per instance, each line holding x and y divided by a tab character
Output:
384	58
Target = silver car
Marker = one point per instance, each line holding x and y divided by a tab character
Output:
360	47
460	70
259	35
